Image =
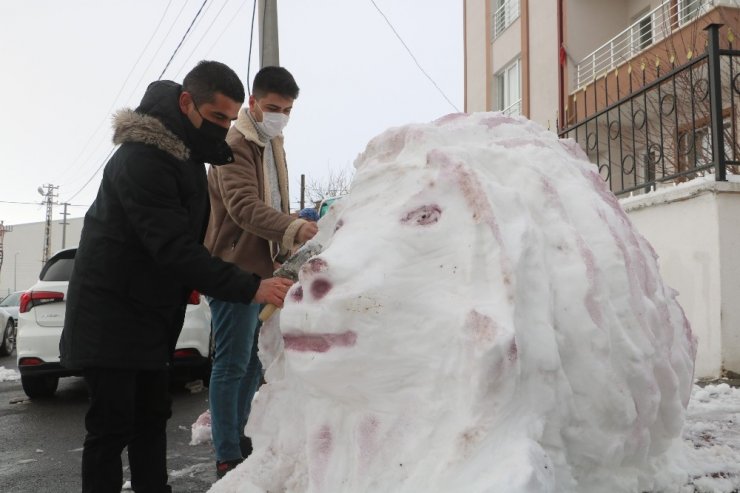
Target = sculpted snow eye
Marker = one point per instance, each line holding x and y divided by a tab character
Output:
426	214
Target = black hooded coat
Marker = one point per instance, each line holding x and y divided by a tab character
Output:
141	252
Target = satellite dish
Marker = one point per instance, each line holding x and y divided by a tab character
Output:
40	190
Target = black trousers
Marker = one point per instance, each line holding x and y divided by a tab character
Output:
128	408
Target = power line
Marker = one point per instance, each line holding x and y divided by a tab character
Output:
107	113
21	203
105	160
233	16
38	203
251	37
202	37
161	44
413	57
183	38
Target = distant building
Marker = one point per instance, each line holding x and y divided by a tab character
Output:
23	249
650	89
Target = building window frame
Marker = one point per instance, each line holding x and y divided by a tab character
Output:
505	12
509	88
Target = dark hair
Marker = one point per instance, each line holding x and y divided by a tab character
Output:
209	77
274	79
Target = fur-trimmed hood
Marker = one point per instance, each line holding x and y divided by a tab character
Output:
131	126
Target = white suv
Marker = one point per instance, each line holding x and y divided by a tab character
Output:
41	318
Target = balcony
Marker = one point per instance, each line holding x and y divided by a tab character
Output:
645	32
681	125
504	16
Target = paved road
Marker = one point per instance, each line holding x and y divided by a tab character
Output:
40	441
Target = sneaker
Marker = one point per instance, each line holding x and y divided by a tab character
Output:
245	444
225	466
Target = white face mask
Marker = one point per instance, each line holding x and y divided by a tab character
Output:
272	124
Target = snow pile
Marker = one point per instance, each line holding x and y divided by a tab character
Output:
713	461
9	374
200	431
483	318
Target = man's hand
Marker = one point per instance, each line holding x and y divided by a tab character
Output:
307	231
273	291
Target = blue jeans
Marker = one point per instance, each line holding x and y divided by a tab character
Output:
236	373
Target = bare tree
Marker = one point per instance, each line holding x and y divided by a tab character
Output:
335	182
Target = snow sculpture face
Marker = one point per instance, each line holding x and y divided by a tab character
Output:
417	249
483	314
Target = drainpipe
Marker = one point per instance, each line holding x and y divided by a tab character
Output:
561	69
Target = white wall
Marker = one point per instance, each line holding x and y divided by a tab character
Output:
507	46
543	63
694	231
476	42
728	206
22	249
590	24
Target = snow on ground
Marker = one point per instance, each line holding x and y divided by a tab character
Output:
483	316
9	374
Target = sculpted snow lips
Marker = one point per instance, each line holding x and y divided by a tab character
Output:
318	343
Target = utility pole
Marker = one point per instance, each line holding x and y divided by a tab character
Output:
3	229
268	25
47	191
64	224
303	191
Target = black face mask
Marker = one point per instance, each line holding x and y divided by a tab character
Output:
209	141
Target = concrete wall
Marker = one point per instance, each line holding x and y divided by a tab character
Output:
507	47
693	229
477	38
588	25
543	63
23	248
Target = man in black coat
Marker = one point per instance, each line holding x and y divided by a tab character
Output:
140	256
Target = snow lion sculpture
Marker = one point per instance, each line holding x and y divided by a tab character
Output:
483	318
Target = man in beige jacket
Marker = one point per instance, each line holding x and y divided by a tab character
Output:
250	226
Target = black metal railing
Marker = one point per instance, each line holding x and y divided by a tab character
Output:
681	125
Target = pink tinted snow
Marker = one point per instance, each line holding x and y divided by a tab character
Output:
499	119
369	442
424	215
297	294
318	343
320	288
322	446
481	327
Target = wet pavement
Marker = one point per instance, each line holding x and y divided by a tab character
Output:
41	440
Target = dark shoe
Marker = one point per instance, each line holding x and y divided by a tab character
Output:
245	444
225	466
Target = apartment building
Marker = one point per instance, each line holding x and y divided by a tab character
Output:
650	89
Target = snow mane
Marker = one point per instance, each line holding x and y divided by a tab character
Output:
483	317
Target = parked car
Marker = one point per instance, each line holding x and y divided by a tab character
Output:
11	303
41	319
8	326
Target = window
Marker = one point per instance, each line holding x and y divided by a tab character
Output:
641	32
688	10
504	13
700	152
509	98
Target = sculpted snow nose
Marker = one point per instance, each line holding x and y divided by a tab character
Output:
314	277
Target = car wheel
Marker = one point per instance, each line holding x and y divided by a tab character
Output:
39	386
8	345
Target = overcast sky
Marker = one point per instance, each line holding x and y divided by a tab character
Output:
68	65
